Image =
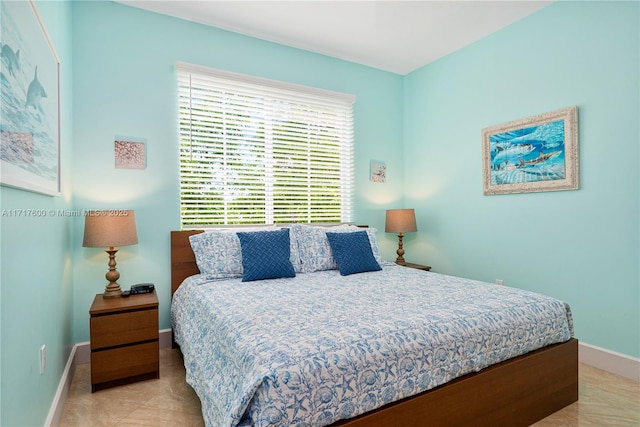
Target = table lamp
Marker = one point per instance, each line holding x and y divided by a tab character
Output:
400	221
110	228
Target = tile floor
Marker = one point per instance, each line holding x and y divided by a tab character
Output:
168	401
605	400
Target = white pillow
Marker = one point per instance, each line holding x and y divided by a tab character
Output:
314	249
218	254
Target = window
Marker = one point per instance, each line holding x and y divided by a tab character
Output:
255	151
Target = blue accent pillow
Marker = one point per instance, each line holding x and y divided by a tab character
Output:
352	252
265	255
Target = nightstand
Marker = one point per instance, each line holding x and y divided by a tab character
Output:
417	266
124	340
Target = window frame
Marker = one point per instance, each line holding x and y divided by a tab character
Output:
341	129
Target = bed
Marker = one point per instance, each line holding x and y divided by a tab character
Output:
368	369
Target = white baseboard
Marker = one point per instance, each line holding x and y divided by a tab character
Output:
166	338
610	361
81	353
57	407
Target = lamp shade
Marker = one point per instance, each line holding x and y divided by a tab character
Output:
400	221
110	228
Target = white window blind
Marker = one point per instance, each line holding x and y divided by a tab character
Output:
256	151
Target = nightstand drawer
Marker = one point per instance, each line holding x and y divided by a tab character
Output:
123	328
124	362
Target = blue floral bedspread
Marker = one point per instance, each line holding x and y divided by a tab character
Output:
321	347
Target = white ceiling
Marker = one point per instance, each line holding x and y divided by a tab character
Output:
393	35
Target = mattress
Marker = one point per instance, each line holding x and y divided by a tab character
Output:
321	347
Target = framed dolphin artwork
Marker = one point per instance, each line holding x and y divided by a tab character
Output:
30	105
533	154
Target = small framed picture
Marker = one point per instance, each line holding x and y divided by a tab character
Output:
130	154
378	171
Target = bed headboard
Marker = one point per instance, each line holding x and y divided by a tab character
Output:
183	261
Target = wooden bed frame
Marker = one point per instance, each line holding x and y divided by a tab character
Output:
516	392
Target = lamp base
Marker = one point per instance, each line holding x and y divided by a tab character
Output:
400	260
112	290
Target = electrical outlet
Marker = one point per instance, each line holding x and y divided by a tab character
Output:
43	358
499	282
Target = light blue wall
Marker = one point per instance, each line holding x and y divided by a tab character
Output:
36	305
125	84
580	246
